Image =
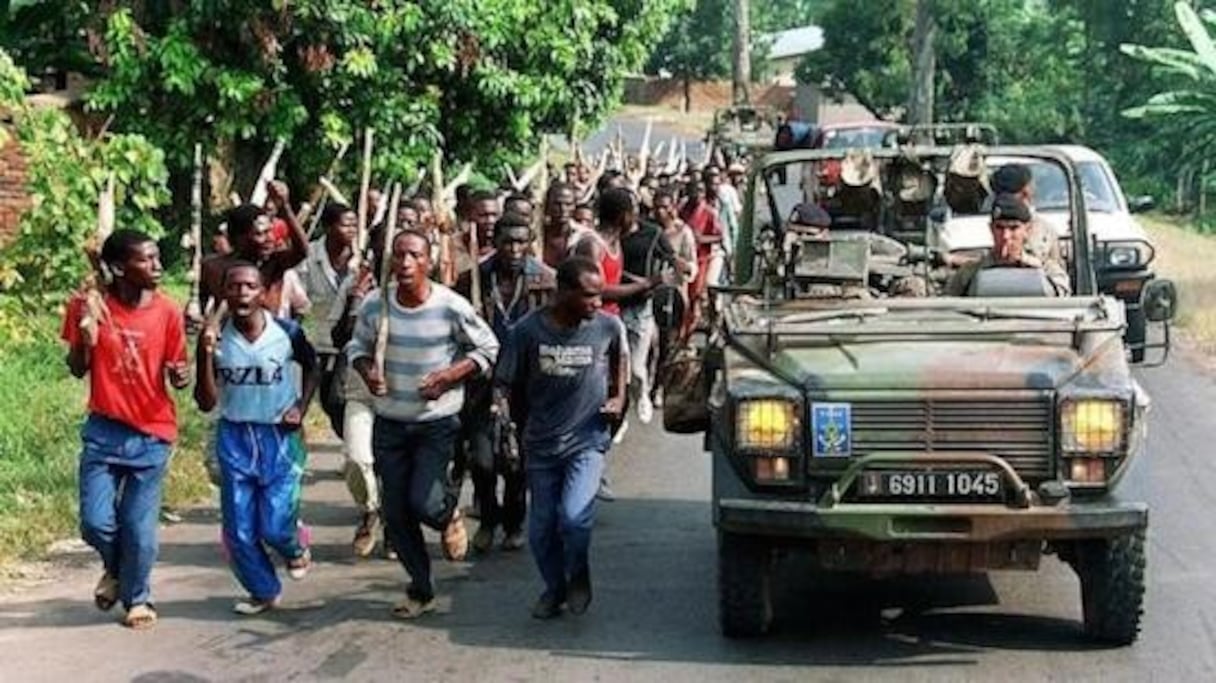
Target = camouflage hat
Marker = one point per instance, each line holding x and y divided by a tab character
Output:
858	169
967	161
966	186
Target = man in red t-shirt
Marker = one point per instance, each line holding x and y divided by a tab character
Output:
706	225
127	355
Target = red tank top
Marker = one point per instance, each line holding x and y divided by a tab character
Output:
613	267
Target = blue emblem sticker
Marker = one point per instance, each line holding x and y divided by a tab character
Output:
832	430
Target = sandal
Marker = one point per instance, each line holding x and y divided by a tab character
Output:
105	595
412	608
250	607
140	617
297	568
455	538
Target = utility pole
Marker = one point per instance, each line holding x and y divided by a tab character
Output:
743	53
920	101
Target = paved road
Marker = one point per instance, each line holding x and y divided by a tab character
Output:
654	616
654	613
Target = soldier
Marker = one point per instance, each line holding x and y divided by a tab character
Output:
1011	219
1041	242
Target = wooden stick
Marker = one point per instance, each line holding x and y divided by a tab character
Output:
317	200
96	311
258	196
194	310
522	183
644	151
333	191
386	269
369	136
443	221
461	178
475	272
538	206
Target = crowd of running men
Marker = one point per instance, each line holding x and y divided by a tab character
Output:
493	353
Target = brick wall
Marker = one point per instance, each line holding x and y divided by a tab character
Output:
13	196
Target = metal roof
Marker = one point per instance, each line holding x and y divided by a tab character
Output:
795	42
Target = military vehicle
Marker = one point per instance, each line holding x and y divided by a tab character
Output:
743	130
1123	253
896	435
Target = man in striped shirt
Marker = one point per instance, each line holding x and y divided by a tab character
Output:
435	343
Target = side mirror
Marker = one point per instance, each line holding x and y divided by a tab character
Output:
938	214
1141	204
1159	301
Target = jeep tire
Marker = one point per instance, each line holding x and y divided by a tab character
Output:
1112	586
745	607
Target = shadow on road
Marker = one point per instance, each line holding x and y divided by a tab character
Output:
655	601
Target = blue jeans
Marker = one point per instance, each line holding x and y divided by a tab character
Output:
412	461
562	514
121	471
260	470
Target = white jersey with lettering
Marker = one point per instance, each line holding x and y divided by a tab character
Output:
257	382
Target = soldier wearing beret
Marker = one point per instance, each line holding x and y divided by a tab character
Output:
1041	241
1011	225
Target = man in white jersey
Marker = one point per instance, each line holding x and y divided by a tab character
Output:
246	369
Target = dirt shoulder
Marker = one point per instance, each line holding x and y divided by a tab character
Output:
1187	258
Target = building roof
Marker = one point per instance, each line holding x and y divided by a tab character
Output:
795	42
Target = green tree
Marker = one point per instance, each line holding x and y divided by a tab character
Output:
696	47
1041	72
484	80
66	173
1187	105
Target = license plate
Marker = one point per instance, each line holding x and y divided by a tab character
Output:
942	485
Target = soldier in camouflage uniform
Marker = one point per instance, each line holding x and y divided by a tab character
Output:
1011	226
1041	242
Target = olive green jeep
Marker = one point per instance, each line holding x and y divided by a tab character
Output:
890	430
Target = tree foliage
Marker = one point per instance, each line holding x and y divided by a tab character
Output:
698	45
484	80
1192	105
66	173
1041	71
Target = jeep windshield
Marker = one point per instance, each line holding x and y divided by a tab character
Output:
1051	189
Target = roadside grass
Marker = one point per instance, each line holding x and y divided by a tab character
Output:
1189	259
41	410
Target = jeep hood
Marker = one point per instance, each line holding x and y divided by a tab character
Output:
929	364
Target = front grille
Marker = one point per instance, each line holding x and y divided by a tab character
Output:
1017	430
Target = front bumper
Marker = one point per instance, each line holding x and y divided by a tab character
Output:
928	522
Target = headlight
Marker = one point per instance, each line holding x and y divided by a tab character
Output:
1093	427
1123	257
1126	253
767	425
